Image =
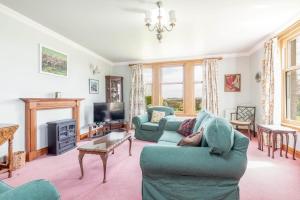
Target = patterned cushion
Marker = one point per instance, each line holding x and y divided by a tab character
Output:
157	116
186	127
191	140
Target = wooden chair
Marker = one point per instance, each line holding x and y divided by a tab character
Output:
244	116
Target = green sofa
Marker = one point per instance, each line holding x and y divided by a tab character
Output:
35	190
171	172
148	131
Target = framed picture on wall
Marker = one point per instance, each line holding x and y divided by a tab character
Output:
232	83
53	62
94	86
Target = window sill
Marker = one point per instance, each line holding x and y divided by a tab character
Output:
294	126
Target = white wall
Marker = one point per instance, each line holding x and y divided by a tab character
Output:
20	77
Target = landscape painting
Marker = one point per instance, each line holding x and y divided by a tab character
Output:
232	83
53	62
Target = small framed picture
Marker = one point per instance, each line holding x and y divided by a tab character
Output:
232	83
94	86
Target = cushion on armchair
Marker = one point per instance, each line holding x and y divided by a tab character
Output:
157	116
219	135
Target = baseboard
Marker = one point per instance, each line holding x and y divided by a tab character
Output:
291	150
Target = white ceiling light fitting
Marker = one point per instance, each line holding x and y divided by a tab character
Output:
159	26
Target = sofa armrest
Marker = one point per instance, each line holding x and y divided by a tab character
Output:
35	190
192	161
139	120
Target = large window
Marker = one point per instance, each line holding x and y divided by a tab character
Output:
198	87
172	87
290	59
147	76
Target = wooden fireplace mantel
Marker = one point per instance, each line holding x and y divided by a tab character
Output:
31	107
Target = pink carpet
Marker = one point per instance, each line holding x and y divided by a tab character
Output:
265	178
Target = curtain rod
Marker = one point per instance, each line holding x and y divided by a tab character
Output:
178	61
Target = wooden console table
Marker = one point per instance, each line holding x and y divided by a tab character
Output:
272	131
7	132
31	107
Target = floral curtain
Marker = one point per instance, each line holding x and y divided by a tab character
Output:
137	94
268	82
210	87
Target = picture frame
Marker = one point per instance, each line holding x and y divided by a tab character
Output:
53	62
232	83
94	86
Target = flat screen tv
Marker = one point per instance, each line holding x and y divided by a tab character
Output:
105	112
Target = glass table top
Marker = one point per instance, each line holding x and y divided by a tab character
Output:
106	142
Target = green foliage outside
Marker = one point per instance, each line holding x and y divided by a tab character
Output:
177	104
148	100
198	104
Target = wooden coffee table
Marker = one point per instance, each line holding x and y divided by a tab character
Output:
103	146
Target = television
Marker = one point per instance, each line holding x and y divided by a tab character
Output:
106	112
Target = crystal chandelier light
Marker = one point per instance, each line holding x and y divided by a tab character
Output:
160	26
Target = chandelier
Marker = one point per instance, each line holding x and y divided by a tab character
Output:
159	27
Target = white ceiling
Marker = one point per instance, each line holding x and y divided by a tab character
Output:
115	29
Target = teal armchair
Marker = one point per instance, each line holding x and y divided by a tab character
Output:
148	131
35	190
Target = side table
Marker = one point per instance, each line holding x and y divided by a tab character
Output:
272	132
7	132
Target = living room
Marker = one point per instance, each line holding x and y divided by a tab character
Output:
142	99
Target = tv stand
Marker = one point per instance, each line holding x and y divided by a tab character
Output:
103	128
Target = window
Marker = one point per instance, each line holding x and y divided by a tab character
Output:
147	76
290	55
198	87
172	87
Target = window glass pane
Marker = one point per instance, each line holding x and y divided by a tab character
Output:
147	76
198	96
293	95
172	95
172	74
294	52
198	73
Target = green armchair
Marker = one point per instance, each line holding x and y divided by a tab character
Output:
148	131
35	190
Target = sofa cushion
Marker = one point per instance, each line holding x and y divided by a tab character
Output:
157	116
219	135
167	110
200	117
171	136
4	187
149	126
191	140
186	127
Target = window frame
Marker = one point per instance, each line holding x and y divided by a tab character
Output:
284	38
196	82
161	83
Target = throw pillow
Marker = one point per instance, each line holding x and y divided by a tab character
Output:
219	135
191	140
186	127
157	116
200	118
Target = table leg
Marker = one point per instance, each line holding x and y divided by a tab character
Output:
281	144
287	138
274	143
262	140
258	138
10	157
249	132
104	162
113	151
295	142
80	157
269	143
130	144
